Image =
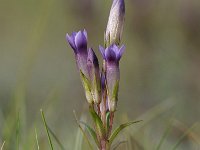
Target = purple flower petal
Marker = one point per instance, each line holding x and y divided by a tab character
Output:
81	42
102	51
71	42
93	57
121	51
110	54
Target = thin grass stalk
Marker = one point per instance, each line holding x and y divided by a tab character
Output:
3	145
47	131
57	140
36	138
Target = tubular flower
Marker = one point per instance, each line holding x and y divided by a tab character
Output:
115	23
78	42
93	70
112	55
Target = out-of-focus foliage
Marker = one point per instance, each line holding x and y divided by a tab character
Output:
160	75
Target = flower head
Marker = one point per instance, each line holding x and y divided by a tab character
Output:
115	23
112	55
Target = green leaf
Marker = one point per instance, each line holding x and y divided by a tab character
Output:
98	123
121	127
107	121
92	133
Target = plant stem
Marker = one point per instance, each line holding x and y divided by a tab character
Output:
104	145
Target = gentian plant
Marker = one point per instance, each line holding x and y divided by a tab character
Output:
101	85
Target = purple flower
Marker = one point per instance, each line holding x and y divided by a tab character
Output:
94	74
88	65
112	55
78	42
115	23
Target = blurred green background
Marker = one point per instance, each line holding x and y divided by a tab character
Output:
160	71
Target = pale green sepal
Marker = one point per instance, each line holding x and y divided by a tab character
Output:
115	90
98	123
96	90
87	87
114	97
92	133
121	127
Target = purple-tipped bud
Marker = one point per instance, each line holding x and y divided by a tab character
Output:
115	23
93	69
112	55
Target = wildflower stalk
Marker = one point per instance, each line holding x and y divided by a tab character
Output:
101	87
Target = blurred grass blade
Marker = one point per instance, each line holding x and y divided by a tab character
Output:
167	130
92	133
182	137
83	132
118	144
98	123
36	138
55	137
121	127
46	127
3	145
18	131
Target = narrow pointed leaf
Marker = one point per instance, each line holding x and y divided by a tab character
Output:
92	132
98	122
107	121
121	127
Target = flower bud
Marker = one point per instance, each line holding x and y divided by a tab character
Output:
115	23
112	55
93	69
